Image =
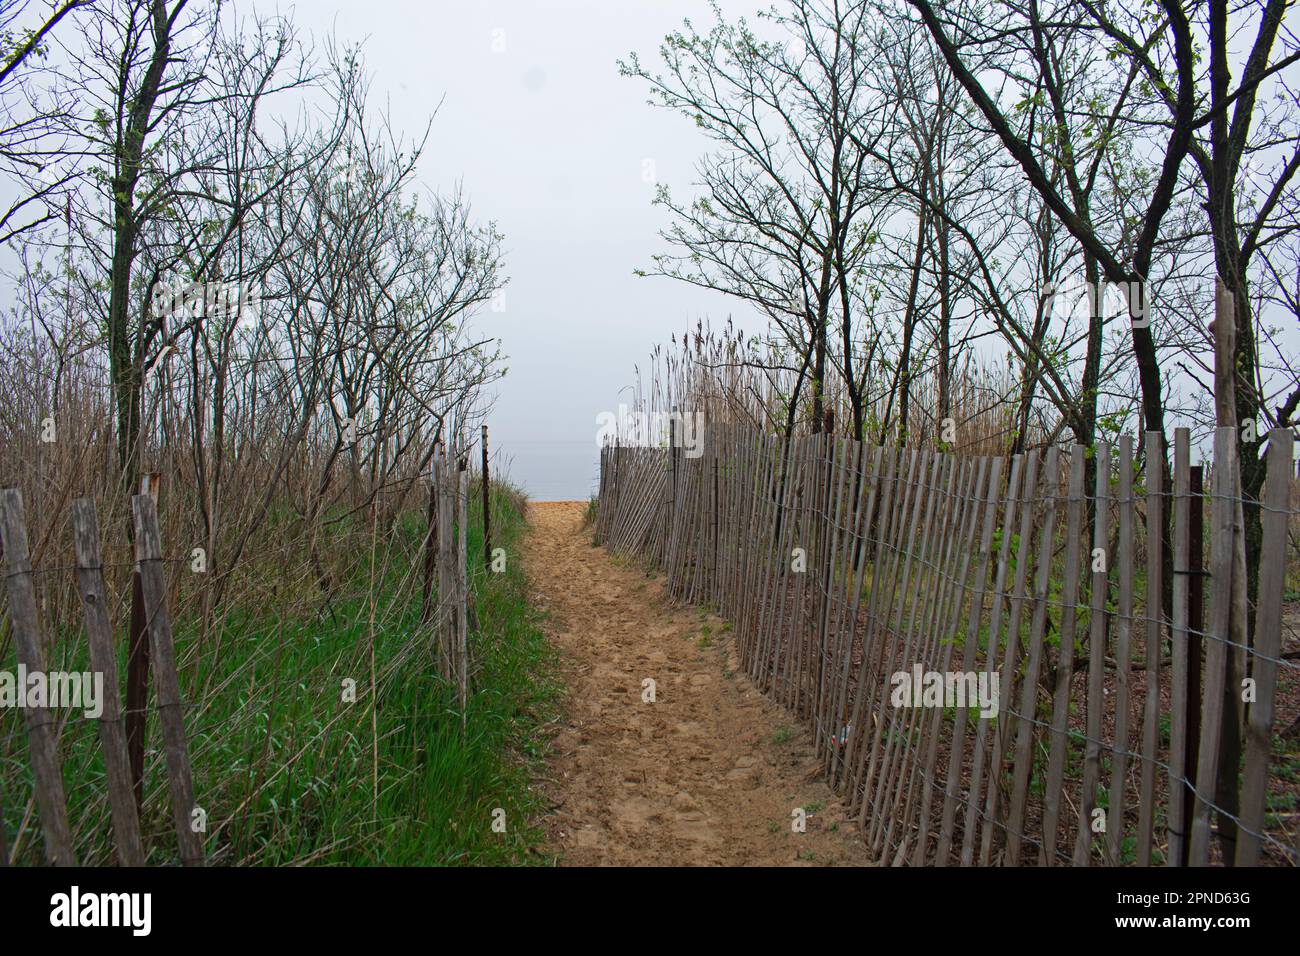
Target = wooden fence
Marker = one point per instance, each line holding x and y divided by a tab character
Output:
445	613
446	581
43	723
853	572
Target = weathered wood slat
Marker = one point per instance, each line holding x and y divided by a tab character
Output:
1179	690
1025	730
1123	650
42	722
918	646
1096	702
1065	659
462	587
1218	634
1007	716
902	644
898	641
1268	645
167	690
957	746
890	646
866	736
958	590
103	660
1155	475
978	773
867	477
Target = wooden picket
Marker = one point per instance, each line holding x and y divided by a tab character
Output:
42	722
103	658
843	566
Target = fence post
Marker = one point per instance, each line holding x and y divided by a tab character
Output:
137	666
487	512
672	457
42	722
1236	637
1179	639
148	553
103	659
1123	650
446	549
1195	645
462	585
1155	459
1219	633
1098	590
1268	644
430	539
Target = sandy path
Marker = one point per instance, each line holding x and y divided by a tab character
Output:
707	774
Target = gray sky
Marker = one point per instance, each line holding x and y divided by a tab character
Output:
550	142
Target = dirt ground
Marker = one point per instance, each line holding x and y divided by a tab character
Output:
711	772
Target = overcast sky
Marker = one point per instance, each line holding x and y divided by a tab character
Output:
550	142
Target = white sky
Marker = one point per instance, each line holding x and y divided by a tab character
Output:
549	142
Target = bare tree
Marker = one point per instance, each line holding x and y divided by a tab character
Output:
786	220
32	105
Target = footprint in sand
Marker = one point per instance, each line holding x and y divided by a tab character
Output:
693	779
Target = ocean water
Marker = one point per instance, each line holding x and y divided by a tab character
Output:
552	470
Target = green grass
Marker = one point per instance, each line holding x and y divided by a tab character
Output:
445	781
287	771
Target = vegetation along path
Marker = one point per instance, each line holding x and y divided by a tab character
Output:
711	771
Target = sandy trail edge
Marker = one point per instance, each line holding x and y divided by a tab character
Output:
710	773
